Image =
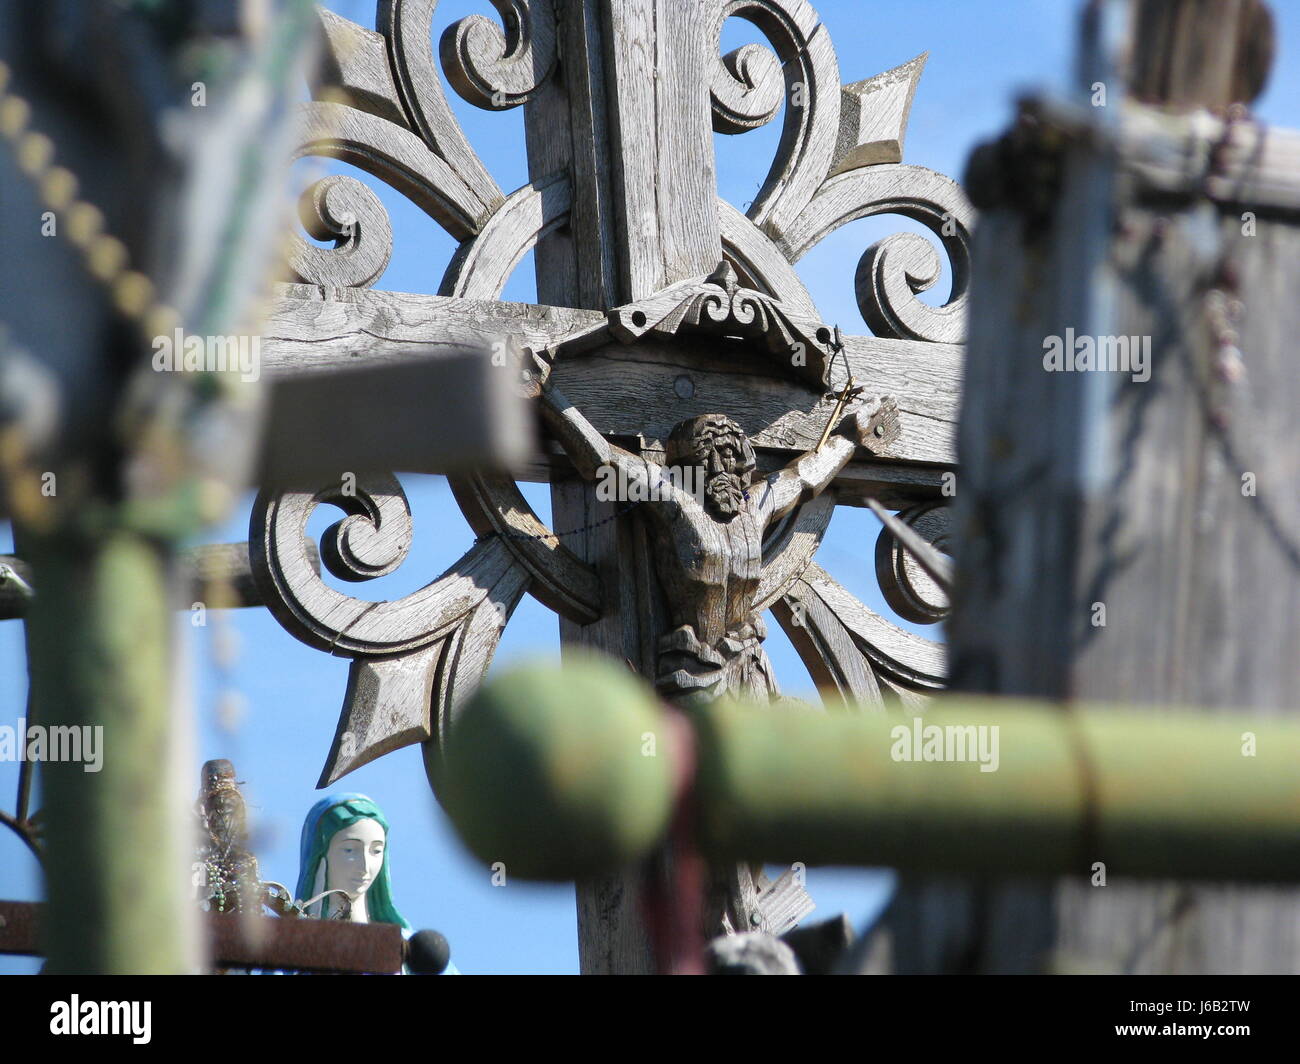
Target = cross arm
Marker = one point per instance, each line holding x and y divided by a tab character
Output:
591	453
803	479
874	426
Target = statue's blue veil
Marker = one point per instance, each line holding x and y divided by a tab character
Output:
326	818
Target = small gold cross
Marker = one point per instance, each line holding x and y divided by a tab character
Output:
851	391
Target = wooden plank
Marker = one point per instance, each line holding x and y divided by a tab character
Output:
628	50
683	167
622	389
290	943
1167	502
304	331
452	413
648	388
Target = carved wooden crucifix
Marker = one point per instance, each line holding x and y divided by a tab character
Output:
671	332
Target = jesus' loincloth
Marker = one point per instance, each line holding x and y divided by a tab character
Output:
691	671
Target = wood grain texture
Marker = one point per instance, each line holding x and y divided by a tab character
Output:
622	212
414	658
493	504
1098	489
342	209
888	302
307	333
355	66
627	390
812	115
481	267
631	390
397	156
873	117
495	69
896	655
408	27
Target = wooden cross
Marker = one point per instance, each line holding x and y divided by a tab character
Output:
658	302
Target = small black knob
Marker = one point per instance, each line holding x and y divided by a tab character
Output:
427	953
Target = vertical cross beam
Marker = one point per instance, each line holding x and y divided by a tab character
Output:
633	94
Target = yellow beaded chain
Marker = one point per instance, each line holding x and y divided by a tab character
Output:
105	257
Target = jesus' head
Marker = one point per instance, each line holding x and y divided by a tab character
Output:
719	448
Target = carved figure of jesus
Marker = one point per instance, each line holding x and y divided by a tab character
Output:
708	542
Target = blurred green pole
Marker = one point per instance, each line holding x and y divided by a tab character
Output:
100	635
563	773
144	459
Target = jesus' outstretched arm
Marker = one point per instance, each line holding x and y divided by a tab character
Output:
874	425
592	454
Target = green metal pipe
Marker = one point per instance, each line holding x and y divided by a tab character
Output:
559	774
116	861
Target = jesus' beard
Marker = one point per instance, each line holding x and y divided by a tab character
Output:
725	494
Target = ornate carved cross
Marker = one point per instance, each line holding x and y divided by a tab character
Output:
672	332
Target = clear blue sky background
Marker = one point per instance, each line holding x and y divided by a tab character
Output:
982	53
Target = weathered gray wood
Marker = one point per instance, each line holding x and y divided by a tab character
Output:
496	69
915	575
414	658
342	209
455	413
407	25
305	331
885	294
708	552
708	517
664	223
355	65
625	390
1130	539
397	156
809	136
492	504
689	307
895	654
873	117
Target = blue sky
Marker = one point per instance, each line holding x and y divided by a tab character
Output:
982	53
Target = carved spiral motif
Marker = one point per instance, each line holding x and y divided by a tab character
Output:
371	541
747	89
888	278
895	269
345	210
749	84
908	589
497	70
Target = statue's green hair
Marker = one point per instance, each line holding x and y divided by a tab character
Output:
327	818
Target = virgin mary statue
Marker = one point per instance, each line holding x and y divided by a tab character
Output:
344	847
343	870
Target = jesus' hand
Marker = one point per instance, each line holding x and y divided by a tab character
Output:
873	425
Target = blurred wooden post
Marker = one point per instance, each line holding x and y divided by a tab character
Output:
105	466
1125	537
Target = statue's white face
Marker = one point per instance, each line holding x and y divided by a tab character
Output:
355	856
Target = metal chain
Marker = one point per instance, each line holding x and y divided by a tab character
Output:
105	257
582	528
